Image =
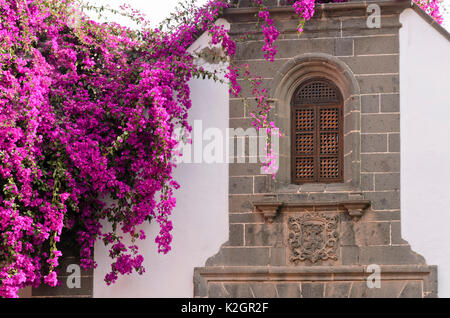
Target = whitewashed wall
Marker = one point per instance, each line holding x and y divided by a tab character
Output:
200	218
425	142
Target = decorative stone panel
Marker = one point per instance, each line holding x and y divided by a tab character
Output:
313	237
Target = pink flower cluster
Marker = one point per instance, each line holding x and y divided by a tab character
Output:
269	31
432	7
305	9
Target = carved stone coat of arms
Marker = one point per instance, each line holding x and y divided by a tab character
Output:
313	237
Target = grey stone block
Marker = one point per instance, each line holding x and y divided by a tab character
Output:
261	184
244	169
358	26
240	256
373	216
217	290
386	200
200	285
263	68
373	84
315	28
373	64
432	284
241	185
286	48
313	187
250	3
242	203
291	48
349	255
380	123
389	255
236	290
343	47
237	109
263	234
264	290
374	143
347	237
328	197
376	45
239	28
288	290
338	289
338	187
246	90
389	289
372	233
367	182
396	234
390	103
293	198
249	217
412	290
370	103
387	181
394	143
380	162
278	256
312	290
236	237
243	123
287	188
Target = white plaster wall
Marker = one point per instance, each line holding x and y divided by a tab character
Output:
200	219
425	142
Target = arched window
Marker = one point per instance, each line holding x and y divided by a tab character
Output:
317	133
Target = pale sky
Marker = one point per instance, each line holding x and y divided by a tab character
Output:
157	10
446	6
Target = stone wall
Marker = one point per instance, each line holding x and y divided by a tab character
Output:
265	254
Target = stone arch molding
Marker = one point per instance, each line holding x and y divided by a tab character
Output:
292	74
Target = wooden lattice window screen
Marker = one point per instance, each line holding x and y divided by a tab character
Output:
317	130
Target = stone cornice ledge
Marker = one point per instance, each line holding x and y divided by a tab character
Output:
426	274
351	5
270	209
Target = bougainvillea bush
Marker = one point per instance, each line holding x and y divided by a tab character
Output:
87	113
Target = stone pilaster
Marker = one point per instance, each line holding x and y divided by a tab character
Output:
358	220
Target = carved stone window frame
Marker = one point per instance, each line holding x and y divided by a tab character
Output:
312	143
291	75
